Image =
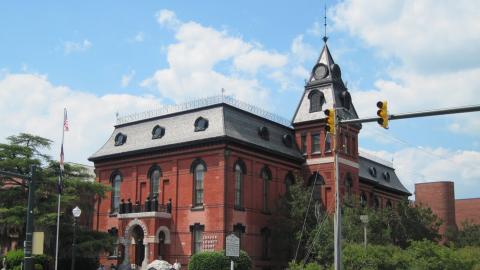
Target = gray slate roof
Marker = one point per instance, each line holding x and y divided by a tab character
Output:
225	121
393	184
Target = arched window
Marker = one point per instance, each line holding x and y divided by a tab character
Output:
376	202
348	184
389	204
116	180
198	178
316	181
289	181
266	175
161	244
154	174
317	99
363	199
265	233
201	124
239	173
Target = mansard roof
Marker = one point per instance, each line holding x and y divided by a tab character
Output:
380	174
225	122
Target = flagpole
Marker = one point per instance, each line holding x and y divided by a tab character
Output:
60	181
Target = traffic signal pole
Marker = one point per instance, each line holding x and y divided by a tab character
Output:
473	108
338	210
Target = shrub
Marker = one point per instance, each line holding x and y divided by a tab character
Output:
218	261
38	266
14	258
208	261
298	266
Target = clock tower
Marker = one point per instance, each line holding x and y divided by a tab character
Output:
325	90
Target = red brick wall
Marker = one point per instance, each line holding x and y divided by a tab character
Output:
440	197
467	209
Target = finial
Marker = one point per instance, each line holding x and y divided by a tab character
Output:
325	38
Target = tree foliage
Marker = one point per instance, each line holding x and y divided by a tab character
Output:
218	261
17	155
397	226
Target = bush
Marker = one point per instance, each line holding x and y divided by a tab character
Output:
298	266
218	261
208	261
355	256
14	258
38	266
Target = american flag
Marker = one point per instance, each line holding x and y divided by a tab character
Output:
65	120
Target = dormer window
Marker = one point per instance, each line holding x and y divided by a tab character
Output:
287	140
201	124
264	133
317	99
120	139
372	171
386	176
158	132
346	99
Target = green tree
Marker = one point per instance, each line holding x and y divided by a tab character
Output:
17	155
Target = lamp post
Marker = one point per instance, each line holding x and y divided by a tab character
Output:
364	219
76	214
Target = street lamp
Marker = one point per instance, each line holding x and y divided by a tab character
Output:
76	214
364	219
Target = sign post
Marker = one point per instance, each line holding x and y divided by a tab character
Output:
232	248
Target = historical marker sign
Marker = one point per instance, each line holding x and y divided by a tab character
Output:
232	246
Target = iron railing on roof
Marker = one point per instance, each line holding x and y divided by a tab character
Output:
200	103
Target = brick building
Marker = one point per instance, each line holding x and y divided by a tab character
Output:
223	164
440	197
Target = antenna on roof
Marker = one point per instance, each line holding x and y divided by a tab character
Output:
117	115
223	91
325	38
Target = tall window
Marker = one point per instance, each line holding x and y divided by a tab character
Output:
345	143
155	174
266	177
198	179
197	237
239	230
316	181
116	181
304	143
363	199
348	184
328	145
316	143
238	185
289	181
316	100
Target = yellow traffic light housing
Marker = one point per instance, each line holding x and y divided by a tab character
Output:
382	113
330	120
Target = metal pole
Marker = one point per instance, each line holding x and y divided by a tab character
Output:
74	239
365	235
473	108
231	265
338	210
28	259
58	230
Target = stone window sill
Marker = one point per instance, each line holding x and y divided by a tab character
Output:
197	208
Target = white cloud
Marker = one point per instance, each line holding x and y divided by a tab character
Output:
72	47
255	59
317	29
31	103
423	164
427	35
167	18
126	78
198	53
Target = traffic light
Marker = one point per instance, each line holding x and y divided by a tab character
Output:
383	114
330	120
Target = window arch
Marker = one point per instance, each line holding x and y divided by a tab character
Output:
289	181
363	199
116	180
154	175
240	170
198	169
389	204
316	181
317	99
266	175
376	202
348	184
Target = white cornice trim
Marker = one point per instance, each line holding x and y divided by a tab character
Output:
349	162
314	161
145	215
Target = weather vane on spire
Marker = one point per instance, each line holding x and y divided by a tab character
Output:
325	38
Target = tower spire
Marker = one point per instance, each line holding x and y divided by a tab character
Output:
325	38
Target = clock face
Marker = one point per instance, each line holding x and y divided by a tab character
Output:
320	72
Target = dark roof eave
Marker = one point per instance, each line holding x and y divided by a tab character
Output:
380	186
216	140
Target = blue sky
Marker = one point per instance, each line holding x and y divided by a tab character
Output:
99	58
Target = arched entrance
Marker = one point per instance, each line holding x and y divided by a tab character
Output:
139	247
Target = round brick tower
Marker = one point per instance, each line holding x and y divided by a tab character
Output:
440	197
